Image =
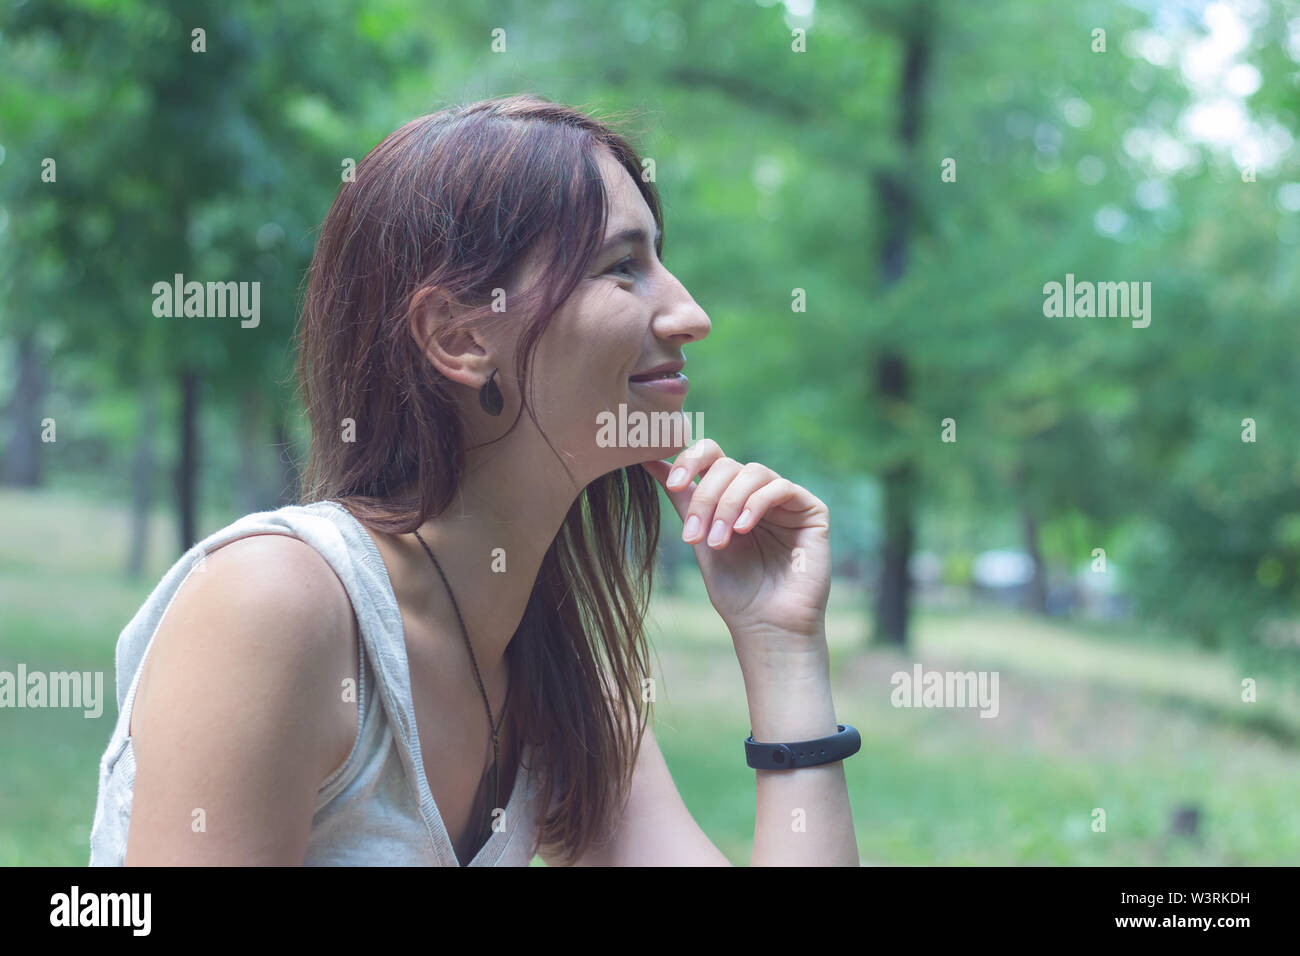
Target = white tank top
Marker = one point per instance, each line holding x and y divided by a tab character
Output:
376	809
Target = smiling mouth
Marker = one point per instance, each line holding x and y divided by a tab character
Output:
664	371
655	376
666	380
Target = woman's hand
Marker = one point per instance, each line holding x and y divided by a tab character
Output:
763	544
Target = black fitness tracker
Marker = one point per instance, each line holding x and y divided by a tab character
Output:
803	753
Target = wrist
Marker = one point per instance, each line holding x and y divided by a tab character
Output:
779	666
792	704
758	648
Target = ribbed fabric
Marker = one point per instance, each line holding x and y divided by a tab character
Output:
376	809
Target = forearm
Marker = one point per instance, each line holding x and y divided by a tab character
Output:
802	817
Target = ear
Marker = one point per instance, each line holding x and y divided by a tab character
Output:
455	350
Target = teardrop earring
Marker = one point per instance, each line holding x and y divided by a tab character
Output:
489	396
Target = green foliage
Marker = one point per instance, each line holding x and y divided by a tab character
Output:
220	165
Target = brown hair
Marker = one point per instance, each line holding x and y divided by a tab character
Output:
452	202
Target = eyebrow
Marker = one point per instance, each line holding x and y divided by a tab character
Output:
634	234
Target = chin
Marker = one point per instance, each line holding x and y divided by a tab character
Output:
647	432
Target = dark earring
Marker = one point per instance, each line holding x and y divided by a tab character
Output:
489	396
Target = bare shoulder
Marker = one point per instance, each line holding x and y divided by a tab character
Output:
261	601
290	571
240	707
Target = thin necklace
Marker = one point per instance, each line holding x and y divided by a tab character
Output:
494	782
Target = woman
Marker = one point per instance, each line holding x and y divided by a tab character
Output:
440	656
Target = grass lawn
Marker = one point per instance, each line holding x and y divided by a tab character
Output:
1089	718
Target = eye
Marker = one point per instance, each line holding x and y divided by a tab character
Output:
617	268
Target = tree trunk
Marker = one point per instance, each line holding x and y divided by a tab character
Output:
187	466
894	596
142	472
1037	599
23	463
894	599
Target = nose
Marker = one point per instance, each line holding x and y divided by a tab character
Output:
680	316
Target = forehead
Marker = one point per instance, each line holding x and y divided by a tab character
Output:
627	207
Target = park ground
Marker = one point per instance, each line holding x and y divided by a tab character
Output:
1150	729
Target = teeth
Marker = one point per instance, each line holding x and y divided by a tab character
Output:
655	377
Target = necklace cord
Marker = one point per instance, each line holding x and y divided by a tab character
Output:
493	726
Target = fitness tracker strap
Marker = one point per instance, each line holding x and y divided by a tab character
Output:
803	753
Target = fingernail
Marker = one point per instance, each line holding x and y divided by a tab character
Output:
692	528
718	531
742	520
677	475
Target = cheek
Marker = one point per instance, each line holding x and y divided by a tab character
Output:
578	373
601	343
584	358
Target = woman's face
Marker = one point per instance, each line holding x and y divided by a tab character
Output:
618	333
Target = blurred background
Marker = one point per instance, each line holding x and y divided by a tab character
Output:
868	199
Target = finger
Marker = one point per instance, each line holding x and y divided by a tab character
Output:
693	461
680	500
699	516
731	503
772	495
